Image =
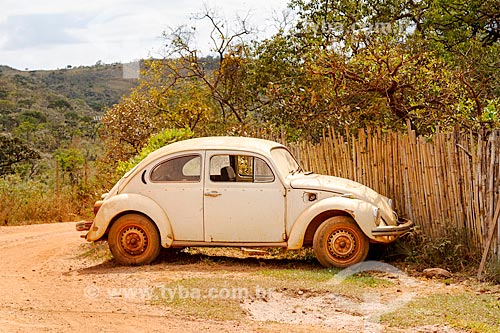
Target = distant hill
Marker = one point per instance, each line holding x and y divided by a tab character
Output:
100	86
47	109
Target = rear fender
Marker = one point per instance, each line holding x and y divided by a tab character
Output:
129	202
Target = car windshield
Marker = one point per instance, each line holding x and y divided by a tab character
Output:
285	162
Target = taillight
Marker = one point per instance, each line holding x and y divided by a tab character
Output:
97	205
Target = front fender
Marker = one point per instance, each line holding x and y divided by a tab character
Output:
362	212
133	203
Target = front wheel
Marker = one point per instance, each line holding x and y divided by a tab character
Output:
339	242
134	240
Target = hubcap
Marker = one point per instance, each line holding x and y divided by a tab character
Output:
134	240
341	244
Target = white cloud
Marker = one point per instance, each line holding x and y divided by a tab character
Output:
53	34
24	31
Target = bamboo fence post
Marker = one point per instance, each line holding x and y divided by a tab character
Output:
493	224
414	188
491	168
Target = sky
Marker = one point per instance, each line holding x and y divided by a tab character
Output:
52	34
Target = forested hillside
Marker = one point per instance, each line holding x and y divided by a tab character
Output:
47	110
48	131
99	86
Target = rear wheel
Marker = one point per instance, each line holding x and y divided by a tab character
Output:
339	242
134	240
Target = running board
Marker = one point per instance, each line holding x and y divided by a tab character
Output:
226	244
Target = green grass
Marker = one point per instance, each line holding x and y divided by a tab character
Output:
323	278
294	275
468	311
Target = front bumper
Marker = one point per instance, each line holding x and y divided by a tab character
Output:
404	226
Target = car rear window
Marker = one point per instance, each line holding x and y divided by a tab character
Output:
179	169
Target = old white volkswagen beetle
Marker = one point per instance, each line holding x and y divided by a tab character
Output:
245	192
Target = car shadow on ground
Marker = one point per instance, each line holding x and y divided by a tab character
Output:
185	260
182	258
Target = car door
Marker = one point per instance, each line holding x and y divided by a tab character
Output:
175	184
243	199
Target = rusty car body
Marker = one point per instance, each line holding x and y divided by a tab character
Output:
239	192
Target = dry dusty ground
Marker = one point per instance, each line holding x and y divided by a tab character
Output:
47	286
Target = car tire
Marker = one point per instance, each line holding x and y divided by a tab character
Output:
134	240
338	242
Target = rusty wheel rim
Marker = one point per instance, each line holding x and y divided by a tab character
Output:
342	244
134	240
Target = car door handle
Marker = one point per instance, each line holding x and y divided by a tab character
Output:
212	194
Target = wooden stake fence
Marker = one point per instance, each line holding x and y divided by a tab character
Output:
447	184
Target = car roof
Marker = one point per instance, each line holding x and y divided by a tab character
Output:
215	142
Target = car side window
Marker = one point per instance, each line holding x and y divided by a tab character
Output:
240	168
220	169
179	169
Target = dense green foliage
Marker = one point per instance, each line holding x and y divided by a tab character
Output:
383	64
48	110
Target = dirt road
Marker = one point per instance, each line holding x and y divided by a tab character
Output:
47	286
44	287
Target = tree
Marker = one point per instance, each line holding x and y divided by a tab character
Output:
206	95
394	82
71	162
453	22
59	104
13	151
227	83
466	34
376	63
127	126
